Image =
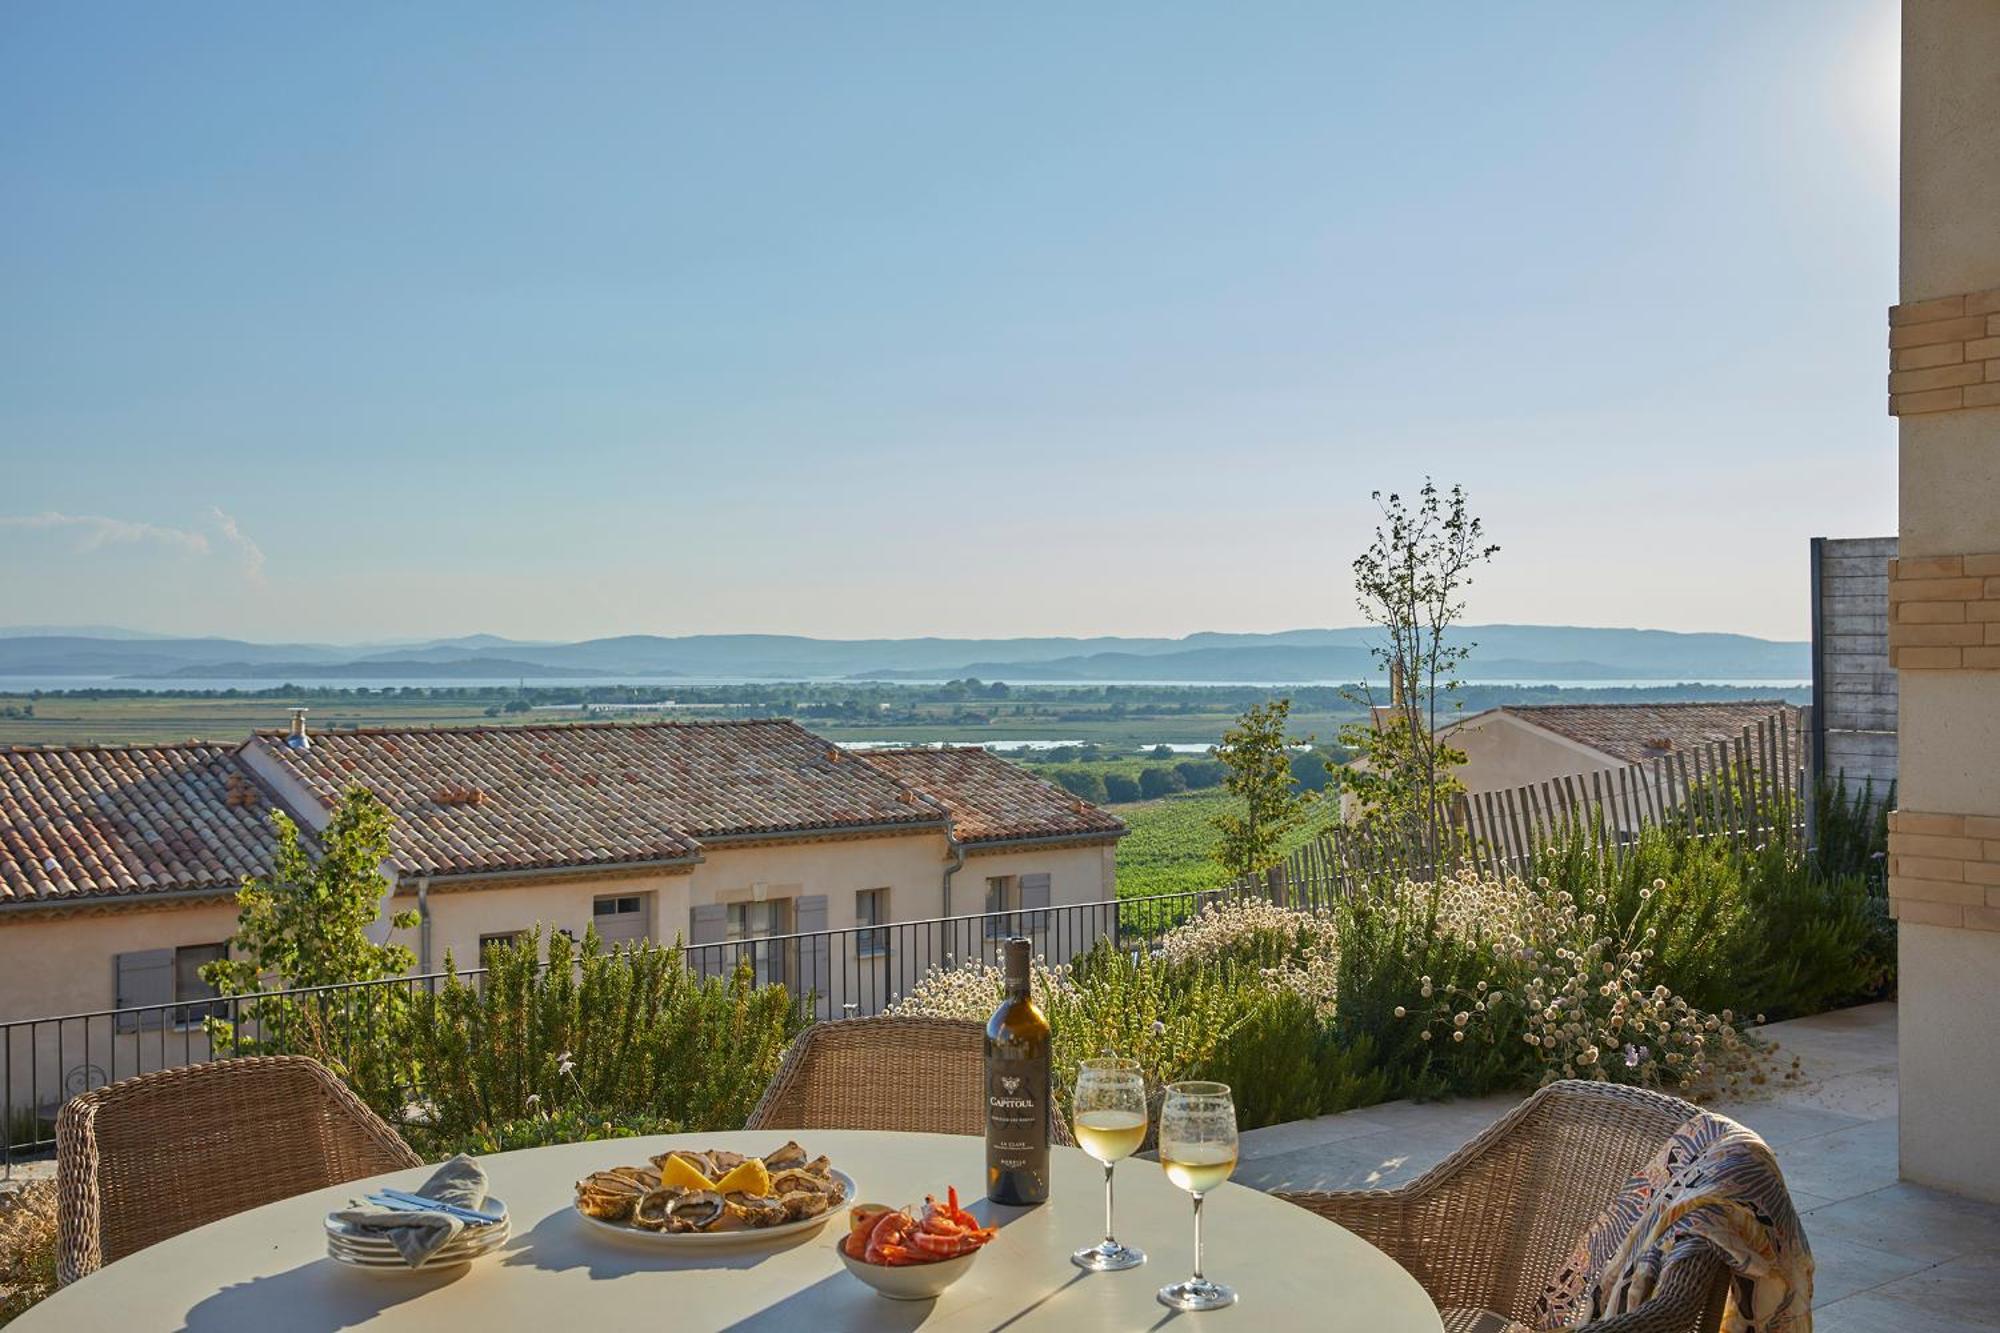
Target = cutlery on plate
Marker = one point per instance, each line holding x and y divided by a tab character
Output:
405	1202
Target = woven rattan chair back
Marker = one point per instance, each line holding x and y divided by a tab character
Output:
917	1075
149	1157
920	1075
1568	1157
1487	1227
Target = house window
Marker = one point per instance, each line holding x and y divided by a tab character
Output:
505	939
750	922
871	908
1001	897
622	918
189	960
152	981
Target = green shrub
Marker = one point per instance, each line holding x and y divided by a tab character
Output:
595	1044
1081	782
1760	929
1119	788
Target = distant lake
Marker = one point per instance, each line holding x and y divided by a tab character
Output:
26	684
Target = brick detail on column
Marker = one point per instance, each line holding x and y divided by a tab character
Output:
1944	870
1944	613
1944	354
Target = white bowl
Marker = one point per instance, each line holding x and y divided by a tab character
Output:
909	1282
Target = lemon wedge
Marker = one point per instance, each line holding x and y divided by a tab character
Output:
678	1170
747	1177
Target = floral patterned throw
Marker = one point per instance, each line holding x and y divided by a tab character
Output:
1715	1181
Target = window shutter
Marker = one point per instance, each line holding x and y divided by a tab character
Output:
815	951
1035	893
708	923
144	978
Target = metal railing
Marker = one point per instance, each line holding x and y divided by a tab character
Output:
854	971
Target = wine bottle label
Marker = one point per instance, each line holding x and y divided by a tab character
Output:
1017	1128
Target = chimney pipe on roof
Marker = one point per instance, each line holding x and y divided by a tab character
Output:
298	740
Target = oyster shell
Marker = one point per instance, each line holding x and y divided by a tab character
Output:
610	1195
785	1158
805	1203
695	1210
698	1160
759	1210
654	1212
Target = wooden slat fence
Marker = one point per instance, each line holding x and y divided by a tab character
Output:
1752	786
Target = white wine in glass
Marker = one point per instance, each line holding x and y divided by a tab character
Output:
1110	1107
1198	1151
1110	1136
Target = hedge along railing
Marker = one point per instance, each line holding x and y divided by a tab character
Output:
1751	787
855	971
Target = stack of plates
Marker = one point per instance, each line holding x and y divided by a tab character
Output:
349	1244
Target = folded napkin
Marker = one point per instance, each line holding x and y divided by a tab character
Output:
419	1235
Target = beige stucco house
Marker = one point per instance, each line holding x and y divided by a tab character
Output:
1518	745
118	864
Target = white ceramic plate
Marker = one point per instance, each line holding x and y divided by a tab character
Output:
718	1240
349	1245
492	1240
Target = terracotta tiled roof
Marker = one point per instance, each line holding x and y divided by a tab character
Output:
1633	732
991	799
93	821
525	798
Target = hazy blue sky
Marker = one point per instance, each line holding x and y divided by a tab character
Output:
556	321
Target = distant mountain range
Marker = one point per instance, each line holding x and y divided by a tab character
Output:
1528	653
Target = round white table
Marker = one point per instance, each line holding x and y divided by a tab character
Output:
266	1270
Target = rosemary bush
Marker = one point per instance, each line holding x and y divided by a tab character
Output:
598	1043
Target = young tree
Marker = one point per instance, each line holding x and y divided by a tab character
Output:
1258	772
1411	582
306	924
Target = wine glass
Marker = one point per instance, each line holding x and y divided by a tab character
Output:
1198	1150
1110	1106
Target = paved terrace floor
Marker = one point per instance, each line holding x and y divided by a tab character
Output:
1890	1256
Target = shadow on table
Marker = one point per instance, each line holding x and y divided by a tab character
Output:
563	1241
318	1297
839	1300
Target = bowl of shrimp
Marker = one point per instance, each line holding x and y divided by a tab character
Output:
912	1254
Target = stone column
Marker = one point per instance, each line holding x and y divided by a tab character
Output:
1944	634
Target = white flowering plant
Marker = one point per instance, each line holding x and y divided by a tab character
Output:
1532	984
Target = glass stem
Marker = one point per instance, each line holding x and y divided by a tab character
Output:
1109	1242
1197	1240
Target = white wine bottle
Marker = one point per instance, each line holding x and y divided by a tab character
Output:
1017	1090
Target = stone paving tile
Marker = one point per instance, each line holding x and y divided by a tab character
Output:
1844	1164
1909	1221
1782	1122
1381	1161
1868	1313
1868	1094
1843	1267
1296	1134
1962	1290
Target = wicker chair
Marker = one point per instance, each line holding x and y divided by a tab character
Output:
919	1075
149	1157
1485	1229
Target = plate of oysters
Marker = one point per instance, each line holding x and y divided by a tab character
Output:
714	1197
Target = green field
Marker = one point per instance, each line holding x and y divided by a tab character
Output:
1171	846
